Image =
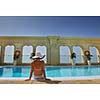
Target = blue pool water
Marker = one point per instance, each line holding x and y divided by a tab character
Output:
51	71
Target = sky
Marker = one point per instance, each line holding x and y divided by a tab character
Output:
64	26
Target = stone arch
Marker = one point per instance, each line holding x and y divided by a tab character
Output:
9	44
95	53
41	44
43	50
64	54
9	54
26	52
79	54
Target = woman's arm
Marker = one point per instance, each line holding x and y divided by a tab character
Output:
31	72
43	71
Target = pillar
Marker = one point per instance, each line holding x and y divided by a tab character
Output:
53	51
19	47
34	49
71	51
2	55
85	48
48	55
98	48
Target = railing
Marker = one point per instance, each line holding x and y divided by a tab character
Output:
79	59
67	59
63	59
26	59
94	59
8	59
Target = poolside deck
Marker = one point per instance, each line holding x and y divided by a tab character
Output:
96	81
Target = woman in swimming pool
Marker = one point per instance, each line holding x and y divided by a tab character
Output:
37	66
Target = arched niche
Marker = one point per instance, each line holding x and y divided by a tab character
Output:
79	54
9	54
43	51
26	52
94	52
64	54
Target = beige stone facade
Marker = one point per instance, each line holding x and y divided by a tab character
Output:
52	44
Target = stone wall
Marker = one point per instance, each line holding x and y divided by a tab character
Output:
51	42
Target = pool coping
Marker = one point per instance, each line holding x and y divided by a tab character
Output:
51	66
60	79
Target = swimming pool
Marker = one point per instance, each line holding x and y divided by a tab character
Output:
63	72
